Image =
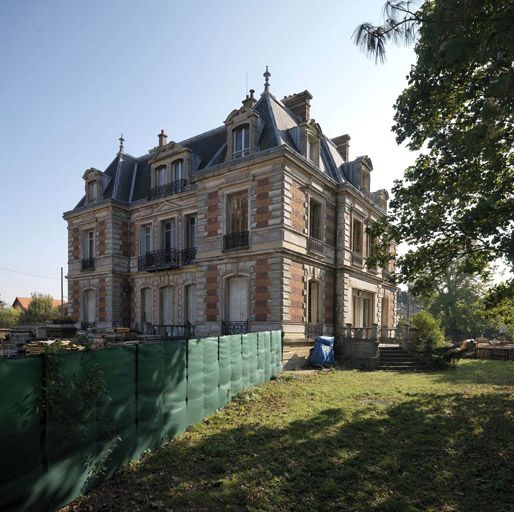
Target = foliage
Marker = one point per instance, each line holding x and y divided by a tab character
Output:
332	441
9	317
445	357
40	309
457	300
429	334
456	202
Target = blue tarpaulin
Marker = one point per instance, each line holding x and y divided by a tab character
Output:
323	352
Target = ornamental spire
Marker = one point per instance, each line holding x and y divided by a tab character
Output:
122	140
266	76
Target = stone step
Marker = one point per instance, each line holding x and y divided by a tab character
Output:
403	368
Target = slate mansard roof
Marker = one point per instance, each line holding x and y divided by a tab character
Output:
127	178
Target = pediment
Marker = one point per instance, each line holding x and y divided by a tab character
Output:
169	150
92	173
242	114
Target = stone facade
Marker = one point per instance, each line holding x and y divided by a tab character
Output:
259	224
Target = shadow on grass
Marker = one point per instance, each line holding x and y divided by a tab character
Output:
435	452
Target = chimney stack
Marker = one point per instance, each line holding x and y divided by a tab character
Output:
343	146
163	138
250	101
299	104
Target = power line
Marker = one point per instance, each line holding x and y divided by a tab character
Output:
29	274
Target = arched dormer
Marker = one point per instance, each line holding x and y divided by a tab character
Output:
242	130
170	169
95	184
310	135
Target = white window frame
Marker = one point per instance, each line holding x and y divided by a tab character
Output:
244	150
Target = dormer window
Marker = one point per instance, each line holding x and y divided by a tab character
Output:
92	191
241	142
178	171
160	176
365	185
311	148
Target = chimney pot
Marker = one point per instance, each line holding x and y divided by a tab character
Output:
163	138
343	146
299	104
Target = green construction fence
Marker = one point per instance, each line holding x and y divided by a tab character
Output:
70	420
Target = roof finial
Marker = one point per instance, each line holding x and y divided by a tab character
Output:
266	76
122	140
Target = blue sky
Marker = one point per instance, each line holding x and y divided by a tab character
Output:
75	74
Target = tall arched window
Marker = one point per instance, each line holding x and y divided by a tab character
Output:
167	305
89	307
190	304
92	191
241	141
237	299
146	310
177	169
313	315
160	176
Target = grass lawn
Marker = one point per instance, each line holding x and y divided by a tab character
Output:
339	440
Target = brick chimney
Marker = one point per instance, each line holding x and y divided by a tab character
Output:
163	138
343	146
299	104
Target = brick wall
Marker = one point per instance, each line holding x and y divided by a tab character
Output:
298	214
75	244
330	222
262	203
125	238
262	292
213	215
329	297
212	297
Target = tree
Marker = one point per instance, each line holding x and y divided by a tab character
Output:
40	309
456	202
457	300
429	335
9	317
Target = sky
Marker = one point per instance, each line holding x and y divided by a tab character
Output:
77	74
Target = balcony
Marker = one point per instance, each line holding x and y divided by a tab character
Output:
312	330
236	240
314	245
87	326
175	187
88	264
166	259
357	259
175	332
234	327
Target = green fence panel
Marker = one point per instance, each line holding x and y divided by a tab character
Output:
236	364
246	362
261	359
251	341
71	426
21	463
116	426
211	376
175	389
276	347
224	359
265	350
151	380
195	396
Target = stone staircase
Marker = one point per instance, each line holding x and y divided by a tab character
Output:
395	358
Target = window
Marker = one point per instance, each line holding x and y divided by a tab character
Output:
178	171
190	304
190	231
146	239
92	191
168	235
167	304
313	302
160	176
370	242
365	181
241	142
146	310
237	235
315	220
357	236
311	149
237	300
362	305
89	307
385	312
89	249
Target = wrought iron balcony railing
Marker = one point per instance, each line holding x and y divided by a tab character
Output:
313	329
175	332
85	326
175	187
166	259
234	327
315	245
356	259
236	240
88	264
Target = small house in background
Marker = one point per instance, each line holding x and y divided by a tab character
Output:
23	303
